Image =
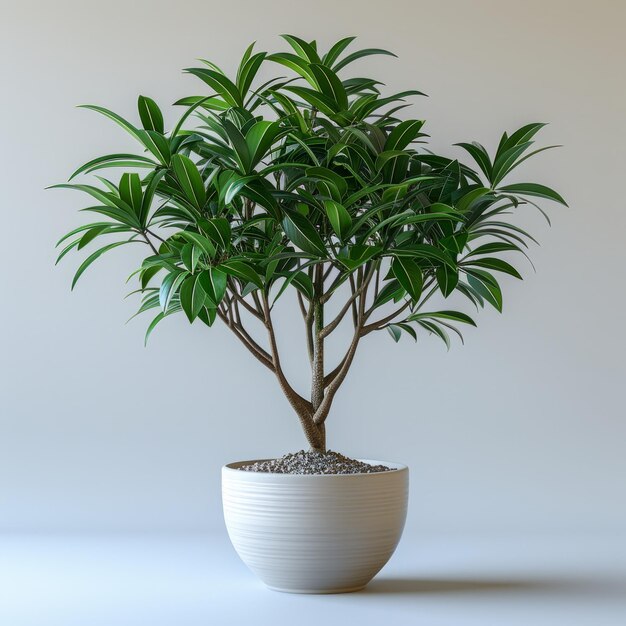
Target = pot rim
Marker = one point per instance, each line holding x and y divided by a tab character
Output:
235	465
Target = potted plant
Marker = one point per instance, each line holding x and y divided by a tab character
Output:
308	186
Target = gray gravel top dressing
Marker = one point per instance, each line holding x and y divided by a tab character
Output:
314	462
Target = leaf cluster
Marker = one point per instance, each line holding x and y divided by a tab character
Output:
258	186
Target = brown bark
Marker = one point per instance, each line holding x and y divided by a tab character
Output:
302	407
312	413
317	369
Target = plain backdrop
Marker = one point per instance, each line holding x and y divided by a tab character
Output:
521	429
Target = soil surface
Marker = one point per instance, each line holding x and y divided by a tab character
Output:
314	462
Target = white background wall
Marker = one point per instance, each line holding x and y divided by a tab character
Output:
522	428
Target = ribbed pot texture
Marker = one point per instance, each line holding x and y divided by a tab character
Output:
315	533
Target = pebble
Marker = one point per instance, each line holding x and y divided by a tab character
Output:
314	462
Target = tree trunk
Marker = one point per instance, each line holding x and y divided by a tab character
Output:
321	447
315	435
317	366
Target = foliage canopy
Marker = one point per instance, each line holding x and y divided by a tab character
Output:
309	183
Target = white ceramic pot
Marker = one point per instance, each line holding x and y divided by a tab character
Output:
315	533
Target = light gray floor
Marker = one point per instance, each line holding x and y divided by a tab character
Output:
193	580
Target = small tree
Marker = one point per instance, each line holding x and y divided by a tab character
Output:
309	184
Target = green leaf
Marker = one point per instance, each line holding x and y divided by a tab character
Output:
359	55
213	281
303	234
436	330
447	279
315	99
121	208
147	274
218	230
189	179
127	218
205	244
300	280
480	155
333	54
522	135
92	257
323	173
186	256
152	326
248	71
475	298
303	49
408	329
395	332
392	290
169	287
409	275
403	134
231	188
303	284
496	264
260	192
222	85
506	161
406	219
381	102
482	275
150	114
388	155
213	66
192	297
516	163
454	316
423	251
533	189
466	200
338	217
118	119
80	229
356	255
131	192
454	243
157	144
295	63
238	141
495	246
260	138
91	234
211	104
207	315
305	148
330	85
149	192
242	270
487	289
114	160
